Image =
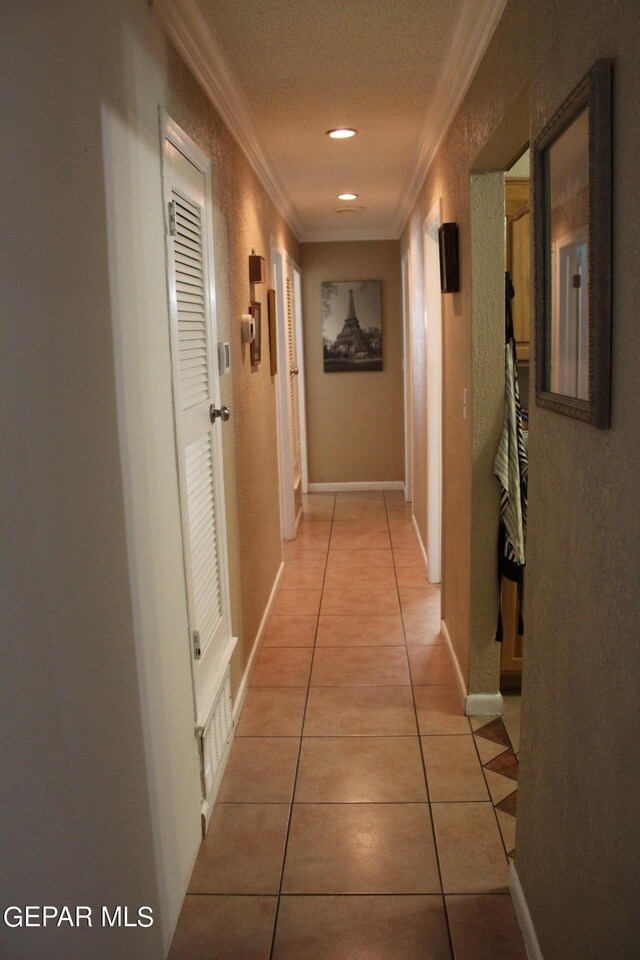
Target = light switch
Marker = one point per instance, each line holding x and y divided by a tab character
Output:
224	358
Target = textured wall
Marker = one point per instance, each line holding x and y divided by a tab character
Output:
100	772
101	787
355	421
577	842
496	88
486	202
581	709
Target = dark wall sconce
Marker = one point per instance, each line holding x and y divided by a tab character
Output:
449	258
257	268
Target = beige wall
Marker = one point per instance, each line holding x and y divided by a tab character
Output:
577	842
355	421
101	789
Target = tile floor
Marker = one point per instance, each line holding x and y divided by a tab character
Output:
359	812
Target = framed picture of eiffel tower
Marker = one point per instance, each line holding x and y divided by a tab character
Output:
352	325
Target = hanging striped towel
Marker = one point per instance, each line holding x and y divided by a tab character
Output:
510	467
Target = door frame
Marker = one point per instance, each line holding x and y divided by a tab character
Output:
288	519
287	522
169	130
407	367
433	364
302	406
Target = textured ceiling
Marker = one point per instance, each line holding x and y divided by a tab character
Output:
310	65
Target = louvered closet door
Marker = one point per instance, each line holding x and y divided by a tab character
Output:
292	363
199	446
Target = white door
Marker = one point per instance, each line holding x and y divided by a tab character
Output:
302	414
292	372
198	439
407	361
570	335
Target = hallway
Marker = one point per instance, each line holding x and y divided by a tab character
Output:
351	751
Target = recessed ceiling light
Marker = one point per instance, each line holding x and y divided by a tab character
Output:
351	209
348	196
341	133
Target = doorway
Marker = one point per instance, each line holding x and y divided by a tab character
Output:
199	419
408	377
433	340
517	258
500	264
292	436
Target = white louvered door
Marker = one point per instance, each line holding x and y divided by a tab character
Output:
198	441
292	365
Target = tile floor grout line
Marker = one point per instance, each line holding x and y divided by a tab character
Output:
424	766
344	803
273	896
360	736
297	767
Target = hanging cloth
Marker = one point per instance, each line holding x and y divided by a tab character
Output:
510	467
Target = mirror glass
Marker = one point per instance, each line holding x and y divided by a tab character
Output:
567	172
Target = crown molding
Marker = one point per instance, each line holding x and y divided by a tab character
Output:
473	31
195	41
193	37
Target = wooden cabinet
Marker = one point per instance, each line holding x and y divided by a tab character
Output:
518	256
511	653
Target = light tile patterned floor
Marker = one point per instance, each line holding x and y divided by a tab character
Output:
360	813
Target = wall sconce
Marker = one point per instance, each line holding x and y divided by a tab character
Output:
257	268
449	259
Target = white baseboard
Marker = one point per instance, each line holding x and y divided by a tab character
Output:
421	547
524	917
262	629
353	487
483	705
460	681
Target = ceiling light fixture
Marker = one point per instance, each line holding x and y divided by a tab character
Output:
341	133
347	196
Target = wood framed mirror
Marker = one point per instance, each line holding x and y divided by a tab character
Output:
572	258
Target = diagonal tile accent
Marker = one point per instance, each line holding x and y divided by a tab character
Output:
499	787
495	731
509	804
506	764
487	749
507	825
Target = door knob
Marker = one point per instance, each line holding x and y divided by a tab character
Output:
294	371
223	413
